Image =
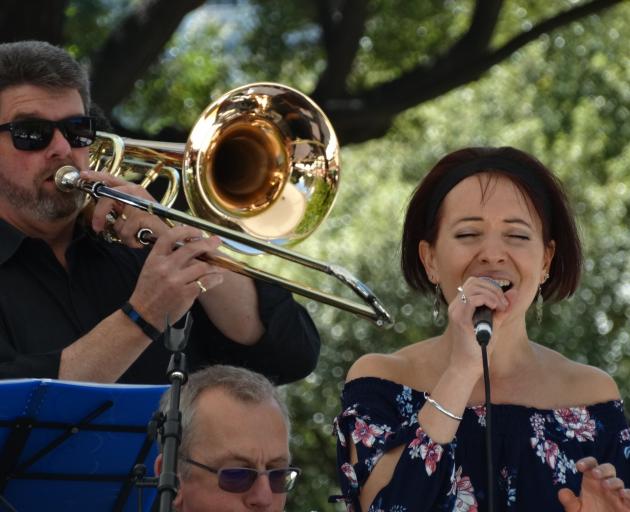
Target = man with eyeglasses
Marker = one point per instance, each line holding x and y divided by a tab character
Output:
75	307
234	452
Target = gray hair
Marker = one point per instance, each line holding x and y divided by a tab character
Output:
41	64
239	383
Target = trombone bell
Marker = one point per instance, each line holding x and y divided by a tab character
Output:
263	159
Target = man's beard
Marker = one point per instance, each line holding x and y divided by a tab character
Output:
40	203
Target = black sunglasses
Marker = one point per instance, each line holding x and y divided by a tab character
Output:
281	480
35	134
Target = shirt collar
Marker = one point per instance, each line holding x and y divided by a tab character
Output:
11	238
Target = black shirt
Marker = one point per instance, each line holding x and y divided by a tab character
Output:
44	308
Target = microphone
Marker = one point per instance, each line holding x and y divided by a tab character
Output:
482	321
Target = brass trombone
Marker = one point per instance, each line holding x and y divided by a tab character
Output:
260	169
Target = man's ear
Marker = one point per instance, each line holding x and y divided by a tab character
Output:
425	252
157	465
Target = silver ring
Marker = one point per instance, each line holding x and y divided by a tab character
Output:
145	236
201	286
110	218
462	297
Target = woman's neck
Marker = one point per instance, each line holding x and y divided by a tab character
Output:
510	350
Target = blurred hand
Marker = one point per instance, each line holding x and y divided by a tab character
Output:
124	220
601	490
172	277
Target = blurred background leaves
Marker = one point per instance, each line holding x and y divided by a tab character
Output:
563	95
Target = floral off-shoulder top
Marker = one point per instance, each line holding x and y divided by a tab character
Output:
534	451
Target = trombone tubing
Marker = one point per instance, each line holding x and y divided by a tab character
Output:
68	178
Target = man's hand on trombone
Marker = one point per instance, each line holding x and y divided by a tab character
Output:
174	276
176	272
124	220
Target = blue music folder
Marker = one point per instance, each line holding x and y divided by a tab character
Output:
73	446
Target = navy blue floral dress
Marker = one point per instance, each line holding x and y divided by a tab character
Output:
535	451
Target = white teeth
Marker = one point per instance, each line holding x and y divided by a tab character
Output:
499	282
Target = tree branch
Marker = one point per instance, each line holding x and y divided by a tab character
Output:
20	20
481	29
369	115
341	33
548	26
136	43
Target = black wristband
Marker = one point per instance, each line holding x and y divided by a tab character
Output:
145	326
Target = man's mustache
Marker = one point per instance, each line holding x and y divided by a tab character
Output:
49	171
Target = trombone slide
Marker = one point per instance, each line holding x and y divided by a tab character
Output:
68	178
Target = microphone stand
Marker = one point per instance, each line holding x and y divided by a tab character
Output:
175	340
483	342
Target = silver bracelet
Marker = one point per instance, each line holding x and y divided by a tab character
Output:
428	398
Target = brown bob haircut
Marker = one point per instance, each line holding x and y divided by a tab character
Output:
531	177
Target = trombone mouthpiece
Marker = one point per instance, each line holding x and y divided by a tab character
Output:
66	178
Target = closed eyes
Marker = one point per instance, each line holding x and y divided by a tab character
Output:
473	235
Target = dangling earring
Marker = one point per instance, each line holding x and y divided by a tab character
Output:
437	304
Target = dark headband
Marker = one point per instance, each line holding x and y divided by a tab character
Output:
511	167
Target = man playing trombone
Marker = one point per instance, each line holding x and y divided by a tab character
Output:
75	307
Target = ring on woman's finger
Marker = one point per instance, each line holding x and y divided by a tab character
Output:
110	218
201	286
123	216
462	296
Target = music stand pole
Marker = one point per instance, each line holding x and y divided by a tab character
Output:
175	340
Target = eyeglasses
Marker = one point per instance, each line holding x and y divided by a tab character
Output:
237	480
36	134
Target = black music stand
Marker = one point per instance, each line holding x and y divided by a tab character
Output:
73	446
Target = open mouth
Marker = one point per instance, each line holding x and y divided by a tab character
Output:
504	284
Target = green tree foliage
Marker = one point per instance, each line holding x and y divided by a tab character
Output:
571	113
565	97
175	91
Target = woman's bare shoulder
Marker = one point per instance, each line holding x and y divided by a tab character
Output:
581	384
395	366
384	366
